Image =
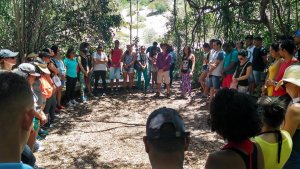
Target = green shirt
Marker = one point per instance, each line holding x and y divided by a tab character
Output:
231	57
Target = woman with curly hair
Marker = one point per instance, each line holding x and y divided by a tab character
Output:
234	117
276	144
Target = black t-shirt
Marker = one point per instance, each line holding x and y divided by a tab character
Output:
258	61
239	74
84	62
186	64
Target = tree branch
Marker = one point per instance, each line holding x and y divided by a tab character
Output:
209	9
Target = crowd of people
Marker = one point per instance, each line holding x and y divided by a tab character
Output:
259	134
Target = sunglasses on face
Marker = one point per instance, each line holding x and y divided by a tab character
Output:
241	58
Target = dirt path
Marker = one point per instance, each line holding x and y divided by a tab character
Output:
107	133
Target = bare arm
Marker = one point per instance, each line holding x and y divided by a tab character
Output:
232	64
193	62
53	68
292	119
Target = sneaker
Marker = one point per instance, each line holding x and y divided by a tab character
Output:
43	132
40	137
83	99
57	110
157	94
74	102
103	95
38	146
60	107
203	96
70	104
168	95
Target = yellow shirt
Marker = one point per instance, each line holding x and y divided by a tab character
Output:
273	69
270	151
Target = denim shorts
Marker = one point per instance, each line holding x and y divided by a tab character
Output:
215	81
114	73
128	70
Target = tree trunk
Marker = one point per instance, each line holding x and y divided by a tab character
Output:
271	21
19	22
186	22
177	37
130	21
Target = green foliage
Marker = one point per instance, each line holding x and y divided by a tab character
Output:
198	66
158	6
62	22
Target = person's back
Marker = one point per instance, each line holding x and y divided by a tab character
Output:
269	146
16	115
166	139
276	144
234	117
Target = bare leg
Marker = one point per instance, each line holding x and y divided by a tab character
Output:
125	80
32	138
58	96
212	93
130	80
117	83
111	84
251	88
168	88
202	80
158	87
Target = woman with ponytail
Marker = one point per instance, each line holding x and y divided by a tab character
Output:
276	144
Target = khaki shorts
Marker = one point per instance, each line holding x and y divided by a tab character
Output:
163	76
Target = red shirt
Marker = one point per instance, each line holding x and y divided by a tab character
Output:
283	66
116	55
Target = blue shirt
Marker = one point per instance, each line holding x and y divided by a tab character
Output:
231	57
60	65
173	57
71	65
14	166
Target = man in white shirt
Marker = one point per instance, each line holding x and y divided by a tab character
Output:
215	68
100	67
250	48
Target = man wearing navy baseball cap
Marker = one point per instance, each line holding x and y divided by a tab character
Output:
166	139
297	42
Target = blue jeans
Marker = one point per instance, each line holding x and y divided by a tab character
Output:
258	77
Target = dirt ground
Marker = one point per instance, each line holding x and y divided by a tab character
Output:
107	133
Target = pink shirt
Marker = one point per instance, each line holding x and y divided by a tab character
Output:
283	66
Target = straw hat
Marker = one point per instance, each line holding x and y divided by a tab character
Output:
291	75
